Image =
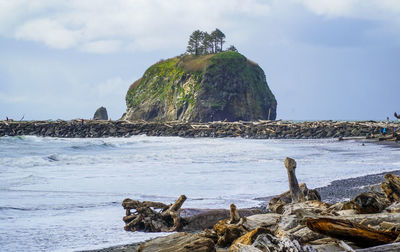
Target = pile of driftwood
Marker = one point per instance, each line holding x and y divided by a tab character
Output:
297	221
147	218
393	137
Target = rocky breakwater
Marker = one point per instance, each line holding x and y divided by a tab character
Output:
258	129
298	220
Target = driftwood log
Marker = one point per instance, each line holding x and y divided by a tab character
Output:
277	204
297	193
229	230
363	236
294	188
158	217
234	215
370	202
391	187
394	137
146	218
178	242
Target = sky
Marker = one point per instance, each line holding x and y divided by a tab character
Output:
323	59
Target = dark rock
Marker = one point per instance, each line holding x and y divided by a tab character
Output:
100	114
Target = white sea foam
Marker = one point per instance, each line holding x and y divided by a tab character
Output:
65	194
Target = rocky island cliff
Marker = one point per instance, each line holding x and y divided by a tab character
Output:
202	88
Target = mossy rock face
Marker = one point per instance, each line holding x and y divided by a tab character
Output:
223	86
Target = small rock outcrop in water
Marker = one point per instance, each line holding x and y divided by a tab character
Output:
202	88
100	114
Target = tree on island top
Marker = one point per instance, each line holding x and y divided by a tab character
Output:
204	43
207	44
232	48
219	38
195	41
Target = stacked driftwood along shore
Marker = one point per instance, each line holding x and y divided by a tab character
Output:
259	129
297	220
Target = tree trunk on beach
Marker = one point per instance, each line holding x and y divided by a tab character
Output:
295	191
361	235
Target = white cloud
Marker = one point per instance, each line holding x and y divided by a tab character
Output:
102	26
51	32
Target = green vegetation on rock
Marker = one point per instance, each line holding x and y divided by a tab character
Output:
203	88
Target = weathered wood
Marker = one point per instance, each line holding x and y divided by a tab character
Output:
146	217
267	242
130	226
155	205
268	220
176	206
234	215
172	211
373	219
278	203
361	235
295	192
304	235
385	225
391	187
392	137
250	237
227	233
134	204
179	242
229	230
208	218
345	246
129	218
370	202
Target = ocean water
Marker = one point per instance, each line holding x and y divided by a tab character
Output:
65	194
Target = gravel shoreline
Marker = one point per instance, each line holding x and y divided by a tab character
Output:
346	189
